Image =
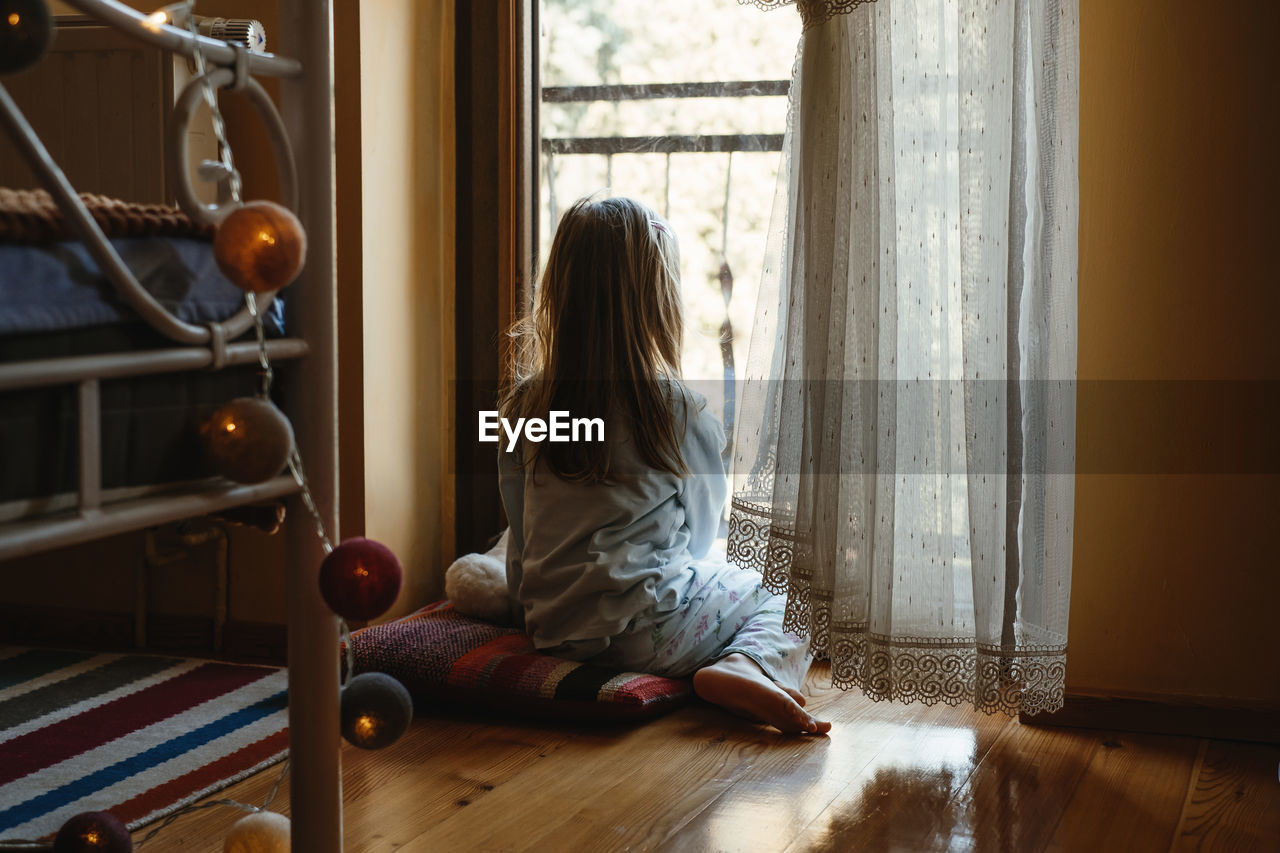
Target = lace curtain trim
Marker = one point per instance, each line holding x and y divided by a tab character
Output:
1028	678
812	12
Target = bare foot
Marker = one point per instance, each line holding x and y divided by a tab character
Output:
737	684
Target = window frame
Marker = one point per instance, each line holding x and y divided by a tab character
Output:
495	54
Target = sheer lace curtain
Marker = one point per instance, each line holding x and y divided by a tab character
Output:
906	444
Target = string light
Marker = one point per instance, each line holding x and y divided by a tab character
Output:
375	710
360	579
175	13
156	20
93	832
260	246
248	440
26	30
263	832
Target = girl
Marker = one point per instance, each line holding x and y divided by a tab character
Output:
609	555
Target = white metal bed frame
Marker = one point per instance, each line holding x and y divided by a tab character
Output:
307	100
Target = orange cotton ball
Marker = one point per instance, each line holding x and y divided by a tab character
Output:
260	246
248	440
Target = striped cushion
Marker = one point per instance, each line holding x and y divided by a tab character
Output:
442	656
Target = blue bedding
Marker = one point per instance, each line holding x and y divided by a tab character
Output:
58	286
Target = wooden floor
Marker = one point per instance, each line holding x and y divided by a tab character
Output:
889	778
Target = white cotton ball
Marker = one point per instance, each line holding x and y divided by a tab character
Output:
477	584
260	832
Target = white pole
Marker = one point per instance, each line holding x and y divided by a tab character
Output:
306	33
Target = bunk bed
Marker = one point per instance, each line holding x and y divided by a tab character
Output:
75	507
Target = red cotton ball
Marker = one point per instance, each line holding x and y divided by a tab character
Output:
93	832
260	246
360	579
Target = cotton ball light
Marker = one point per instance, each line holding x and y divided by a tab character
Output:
26	29
260	832
260	246
375	710
93	832
360	579
248	440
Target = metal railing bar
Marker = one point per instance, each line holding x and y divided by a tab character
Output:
134	23
679	144
652	91
64	371
90	445
22	538
24	509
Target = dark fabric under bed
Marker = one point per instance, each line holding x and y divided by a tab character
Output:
150	424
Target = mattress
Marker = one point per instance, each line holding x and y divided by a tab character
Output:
57	286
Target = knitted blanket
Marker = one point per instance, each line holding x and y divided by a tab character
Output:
31	216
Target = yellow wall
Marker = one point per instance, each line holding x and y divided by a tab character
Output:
407	201
1176	585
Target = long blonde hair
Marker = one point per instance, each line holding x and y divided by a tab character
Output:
604	337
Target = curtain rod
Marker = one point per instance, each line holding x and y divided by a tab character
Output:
133	23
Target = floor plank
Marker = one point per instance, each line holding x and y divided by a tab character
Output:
904	796
1130	795
774	798
1234	802
389	810
595	792
1014	799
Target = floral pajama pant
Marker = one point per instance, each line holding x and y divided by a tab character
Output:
722	610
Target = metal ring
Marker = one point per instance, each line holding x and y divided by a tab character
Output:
242	76
184	108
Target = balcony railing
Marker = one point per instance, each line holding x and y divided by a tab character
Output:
667	144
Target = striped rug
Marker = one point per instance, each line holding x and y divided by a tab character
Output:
136	735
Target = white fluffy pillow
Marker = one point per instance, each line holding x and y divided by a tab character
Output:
477	584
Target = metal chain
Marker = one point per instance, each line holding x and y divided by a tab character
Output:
264	362
344	631
295	467
211	99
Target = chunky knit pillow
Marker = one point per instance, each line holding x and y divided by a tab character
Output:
442	656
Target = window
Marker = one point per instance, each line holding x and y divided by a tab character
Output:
682	106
